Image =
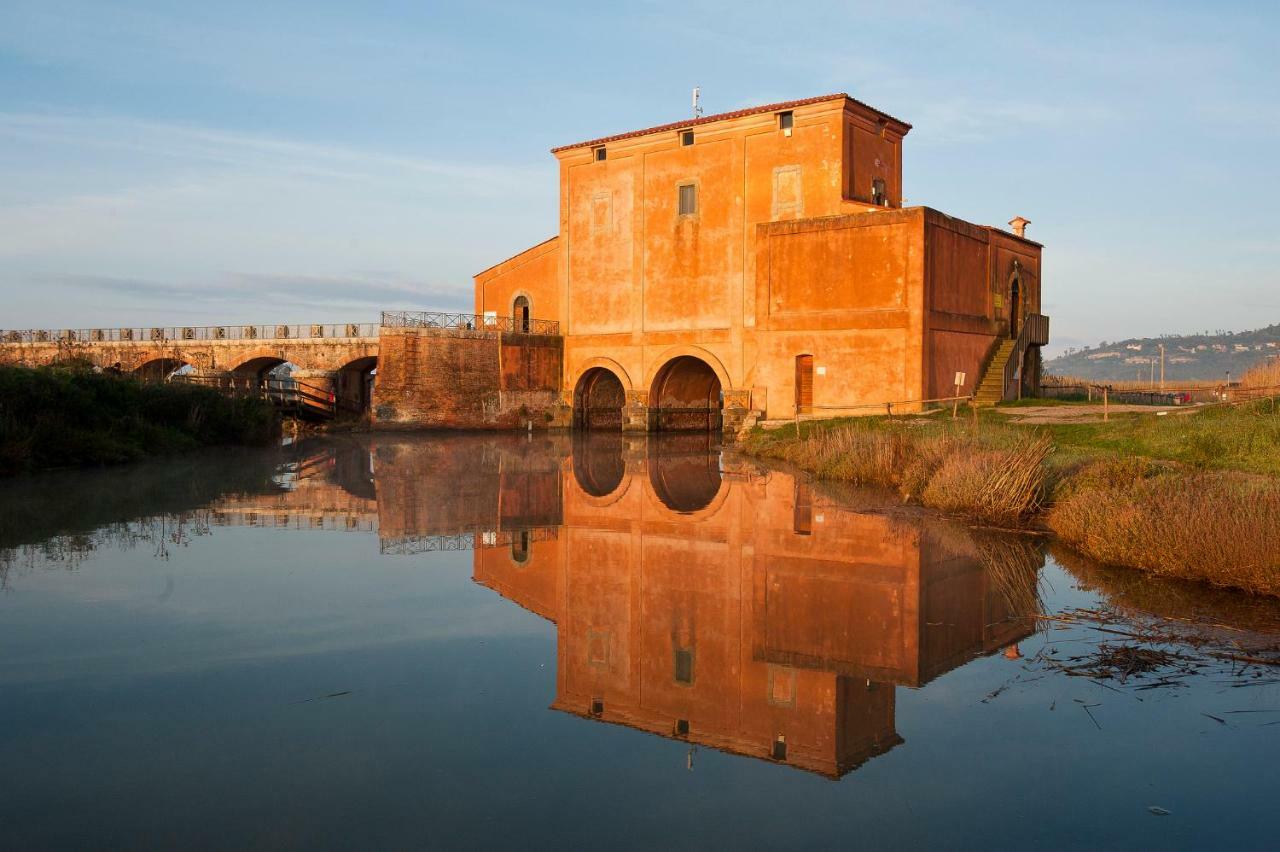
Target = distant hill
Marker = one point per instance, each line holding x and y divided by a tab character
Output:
1187	356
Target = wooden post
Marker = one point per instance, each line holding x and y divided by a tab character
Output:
1106	411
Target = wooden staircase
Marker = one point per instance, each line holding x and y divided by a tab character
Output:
991	386
1003	373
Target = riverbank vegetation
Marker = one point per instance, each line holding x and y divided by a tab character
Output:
71	416
1191	495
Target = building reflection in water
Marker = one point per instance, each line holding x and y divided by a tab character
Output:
737	609
741	610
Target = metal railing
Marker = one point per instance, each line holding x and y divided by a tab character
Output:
468	322
288	395
477	540
1034	332
168	334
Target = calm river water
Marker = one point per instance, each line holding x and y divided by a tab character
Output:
470	641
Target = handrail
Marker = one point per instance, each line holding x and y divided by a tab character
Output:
281	392
468	322
182	334
1034	331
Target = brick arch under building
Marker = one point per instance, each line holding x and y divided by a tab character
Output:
598	399
686	395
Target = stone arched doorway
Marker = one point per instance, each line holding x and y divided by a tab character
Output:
598	400
686	396
520	314
1015	306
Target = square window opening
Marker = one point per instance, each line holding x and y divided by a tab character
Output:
688	199
786	120
600	153
686	137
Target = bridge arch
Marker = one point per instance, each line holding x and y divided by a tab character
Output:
354	381
686	391
161	368
258	364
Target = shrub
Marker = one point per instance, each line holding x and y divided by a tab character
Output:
67	416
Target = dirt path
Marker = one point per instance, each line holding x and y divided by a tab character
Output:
1085	413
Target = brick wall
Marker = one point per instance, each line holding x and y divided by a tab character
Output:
454	379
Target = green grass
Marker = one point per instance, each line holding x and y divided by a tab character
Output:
1194	495
1242	437
70	416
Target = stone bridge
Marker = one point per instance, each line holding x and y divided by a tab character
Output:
433	369
339	358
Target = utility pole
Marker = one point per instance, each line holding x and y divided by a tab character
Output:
1161	366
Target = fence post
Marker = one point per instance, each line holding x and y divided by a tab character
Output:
1106	405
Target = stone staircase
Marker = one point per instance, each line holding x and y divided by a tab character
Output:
991	387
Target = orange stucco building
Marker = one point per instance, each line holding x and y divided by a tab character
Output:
753	263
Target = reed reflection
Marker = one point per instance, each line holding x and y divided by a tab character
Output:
746	612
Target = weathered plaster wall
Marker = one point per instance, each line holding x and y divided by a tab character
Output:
970	274
534	274
849	291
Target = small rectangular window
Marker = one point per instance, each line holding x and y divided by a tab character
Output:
686	137
786	120
600	153
688	199
683	666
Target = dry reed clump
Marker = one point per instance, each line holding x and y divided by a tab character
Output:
1111	472
1264	375
999	487
1222	528
860	456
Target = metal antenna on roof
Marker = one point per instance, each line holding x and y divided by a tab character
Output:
697	109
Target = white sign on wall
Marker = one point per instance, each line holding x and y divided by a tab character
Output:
821	371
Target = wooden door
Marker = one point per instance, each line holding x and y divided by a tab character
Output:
804	383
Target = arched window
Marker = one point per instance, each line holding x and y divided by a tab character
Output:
520	547
878	195
520	313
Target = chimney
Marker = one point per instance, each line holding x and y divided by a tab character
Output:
1019	225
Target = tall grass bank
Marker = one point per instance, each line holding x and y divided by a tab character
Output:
1201	504
71	416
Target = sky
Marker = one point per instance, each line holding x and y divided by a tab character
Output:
226	163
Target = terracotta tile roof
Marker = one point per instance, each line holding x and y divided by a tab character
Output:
694	122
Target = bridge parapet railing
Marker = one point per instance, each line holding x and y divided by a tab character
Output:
179	334
468	322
